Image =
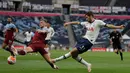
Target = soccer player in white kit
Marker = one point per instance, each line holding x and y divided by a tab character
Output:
50	34
29	34
93	27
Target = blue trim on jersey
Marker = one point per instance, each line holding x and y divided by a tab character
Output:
83	45
45	28
8	26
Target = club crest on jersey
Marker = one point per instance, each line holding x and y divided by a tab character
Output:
90	28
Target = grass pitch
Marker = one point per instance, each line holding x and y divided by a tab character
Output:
102	62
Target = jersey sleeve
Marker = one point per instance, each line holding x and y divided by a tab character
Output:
101	23
8	26
12	26
83	23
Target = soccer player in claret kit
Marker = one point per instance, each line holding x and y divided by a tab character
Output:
38	45
115	40
9	31
93	27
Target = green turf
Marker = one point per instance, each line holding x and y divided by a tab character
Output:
102	62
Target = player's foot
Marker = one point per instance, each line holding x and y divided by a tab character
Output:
55	67
14	50
54	60
89	67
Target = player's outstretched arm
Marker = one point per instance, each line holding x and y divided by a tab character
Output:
115	27
68	23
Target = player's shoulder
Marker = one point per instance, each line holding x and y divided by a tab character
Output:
98	20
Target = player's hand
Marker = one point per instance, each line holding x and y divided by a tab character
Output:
122	26
66	24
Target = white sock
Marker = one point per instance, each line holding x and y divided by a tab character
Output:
63	57
82	61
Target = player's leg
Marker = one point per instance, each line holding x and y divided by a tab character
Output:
6	46
22	51
49	60
75	56
121	54
65	56
45	55
120	50
81	46
79	59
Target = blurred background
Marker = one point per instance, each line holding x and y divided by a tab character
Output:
26	14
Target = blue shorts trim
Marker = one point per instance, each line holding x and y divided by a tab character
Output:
83	45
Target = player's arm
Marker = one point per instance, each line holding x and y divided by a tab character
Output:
114	27
16	30
71	23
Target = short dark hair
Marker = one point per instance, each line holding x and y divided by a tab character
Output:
45	20
89	13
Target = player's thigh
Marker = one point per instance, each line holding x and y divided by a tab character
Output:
83	45
115	46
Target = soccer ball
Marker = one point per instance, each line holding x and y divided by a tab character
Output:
11	60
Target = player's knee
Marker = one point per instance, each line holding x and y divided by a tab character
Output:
4	46
74	56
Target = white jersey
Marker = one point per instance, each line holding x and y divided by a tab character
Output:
93	29
50	33
29	36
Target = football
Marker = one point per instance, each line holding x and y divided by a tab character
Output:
11	60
